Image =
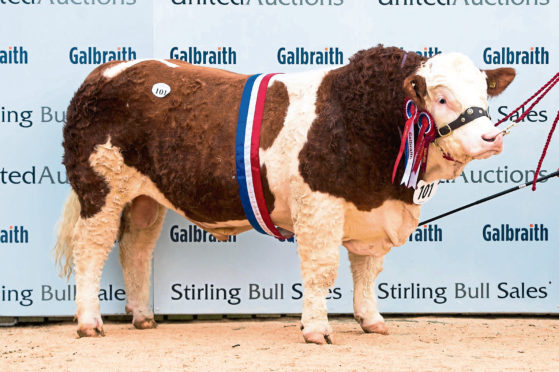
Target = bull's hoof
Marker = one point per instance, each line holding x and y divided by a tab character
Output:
318	338
89	331
146	323
378	327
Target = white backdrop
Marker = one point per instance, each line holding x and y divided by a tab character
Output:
256	274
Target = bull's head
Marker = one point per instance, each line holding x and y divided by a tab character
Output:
447	85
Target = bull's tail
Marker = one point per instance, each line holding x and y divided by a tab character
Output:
64	243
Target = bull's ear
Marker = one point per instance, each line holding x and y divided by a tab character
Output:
415	88
498	79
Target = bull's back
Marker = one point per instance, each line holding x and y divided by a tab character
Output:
184	142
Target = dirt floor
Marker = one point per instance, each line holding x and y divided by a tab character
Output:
415	343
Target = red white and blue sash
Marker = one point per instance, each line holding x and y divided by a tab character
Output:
247	158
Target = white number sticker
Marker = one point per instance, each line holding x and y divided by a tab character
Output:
160	90
424	191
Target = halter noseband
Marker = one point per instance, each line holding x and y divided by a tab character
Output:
470	114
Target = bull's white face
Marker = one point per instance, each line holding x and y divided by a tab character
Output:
453	84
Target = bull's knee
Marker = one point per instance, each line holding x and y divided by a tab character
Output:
322	274
144	212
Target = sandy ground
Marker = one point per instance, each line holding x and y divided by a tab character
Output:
415	343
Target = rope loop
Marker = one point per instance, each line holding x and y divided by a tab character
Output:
550	84
542	92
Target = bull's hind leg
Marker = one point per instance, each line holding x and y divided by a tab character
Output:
95	233
140	227
365	270
319	228
93	240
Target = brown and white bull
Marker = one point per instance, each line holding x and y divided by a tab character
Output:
328	144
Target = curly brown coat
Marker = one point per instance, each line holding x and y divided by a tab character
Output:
353	143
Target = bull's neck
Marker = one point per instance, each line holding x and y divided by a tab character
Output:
439	168
353	142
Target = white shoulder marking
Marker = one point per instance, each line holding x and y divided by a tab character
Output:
113	71
281	159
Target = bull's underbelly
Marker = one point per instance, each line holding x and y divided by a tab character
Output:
365	233
375	232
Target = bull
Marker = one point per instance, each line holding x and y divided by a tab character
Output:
145	136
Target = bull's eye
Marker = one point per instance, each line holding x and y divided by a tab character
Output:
442	101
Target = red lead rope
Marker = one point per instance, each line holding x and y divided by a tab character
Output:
542	92
545	150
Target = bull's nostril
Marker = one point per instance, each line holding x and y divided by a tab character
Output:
490	138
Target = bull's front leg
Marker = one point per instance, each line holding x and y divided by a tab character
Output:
318	222
365	270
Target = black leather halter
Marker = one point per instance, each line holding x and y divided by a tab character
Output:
467	116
